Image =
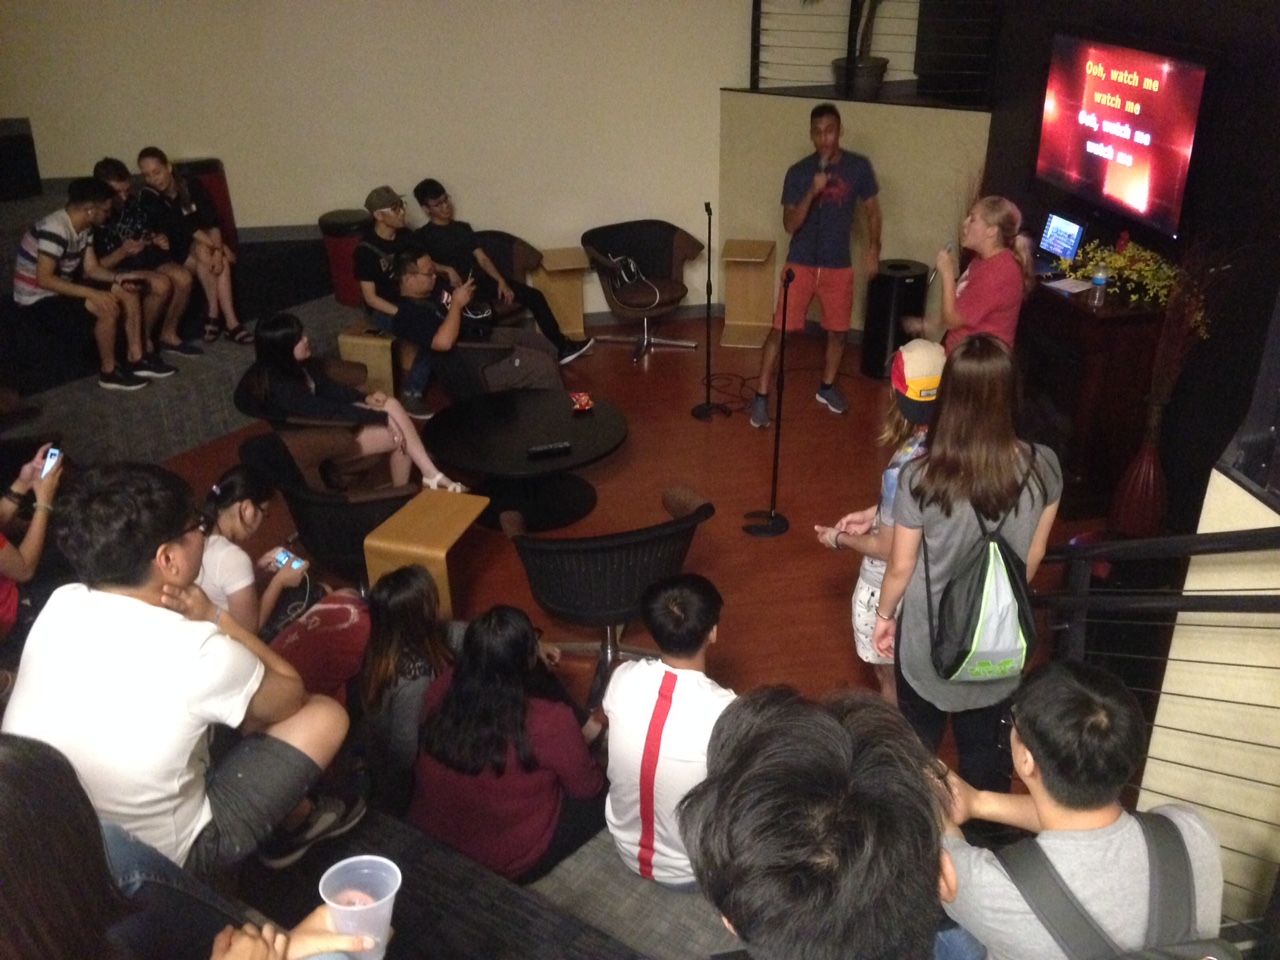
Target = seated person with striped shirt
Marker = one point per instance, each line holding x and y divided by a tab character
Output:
660	717
58	281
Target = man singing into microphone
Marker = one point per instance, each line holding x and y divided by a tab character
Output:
819	198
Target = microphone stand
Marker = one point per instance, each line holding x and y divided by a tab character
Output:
774	524
706	409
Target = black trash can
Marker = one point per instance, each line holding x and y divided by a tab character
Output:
897	291
342	230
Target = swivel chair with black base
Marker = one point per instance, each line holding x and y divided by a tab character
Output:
660	250
598	581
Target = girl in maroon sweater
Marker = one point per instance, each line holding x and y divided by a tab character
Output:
504	776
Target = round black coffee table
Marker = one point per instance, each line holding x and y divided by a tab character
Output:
495	435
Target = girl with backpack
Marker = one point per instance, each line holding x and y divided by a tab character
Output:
915	372
974	465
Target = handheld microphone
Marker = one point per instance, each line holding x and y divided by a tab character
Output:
788	276
951	248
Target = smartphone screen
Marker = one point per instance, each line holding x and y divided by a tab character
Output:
283	558
50	460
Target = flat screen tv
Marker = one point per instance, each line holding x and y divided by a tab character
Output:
1118	128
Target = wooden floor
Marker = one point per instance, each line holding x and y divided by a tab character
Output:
786	616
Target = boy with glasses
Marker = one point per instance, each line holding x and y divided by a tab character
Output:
127	671
1077	736
458	254
375	255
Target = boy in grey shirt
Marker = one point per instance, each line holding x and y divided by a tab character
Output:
1077	737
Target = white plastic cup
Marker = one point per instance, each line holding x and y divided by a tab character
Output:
361	892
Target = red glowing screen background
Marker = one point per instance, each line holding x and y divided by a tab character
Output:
1118	128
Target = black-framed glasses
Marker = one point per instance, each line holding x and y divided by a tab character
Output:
1008	724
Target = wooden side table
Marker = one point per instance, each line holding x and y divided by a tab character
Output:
559	277
748	292
365	344
423	531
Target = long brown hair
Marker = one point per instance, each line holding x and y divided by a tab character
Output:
404	626
973	450
59	895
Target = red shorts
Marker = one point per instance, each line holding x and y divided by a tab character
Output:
833	286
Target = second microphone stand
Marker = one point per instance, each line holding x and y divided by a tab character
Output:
773	523
706	409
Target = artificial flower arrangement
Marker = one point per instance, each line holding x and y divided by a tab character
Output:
1143	276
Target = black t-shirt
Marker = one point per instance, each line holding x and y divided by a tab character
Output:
418	321
453	244
375	261
179	221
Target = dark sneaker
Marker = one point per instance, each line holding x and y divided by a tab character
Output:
183	349
153	368
120	379
571	350
833	398
414	407
760	411
330	817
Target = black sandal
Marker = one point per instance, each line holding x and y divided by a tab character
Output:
211	330
240	335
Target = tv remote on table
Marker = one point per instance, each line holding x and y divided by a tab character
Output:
554	449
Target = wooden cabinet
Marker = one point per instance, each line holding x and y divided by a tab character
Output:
1086	375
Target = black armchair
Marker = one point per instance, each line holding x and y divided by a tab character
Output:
660	250
515	260
331	524
598	581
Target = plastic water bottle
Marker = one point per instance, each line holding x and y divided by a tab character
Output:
1098	289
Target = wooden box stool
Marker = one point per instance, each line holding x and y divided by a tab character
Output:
365	344
559	277
423	531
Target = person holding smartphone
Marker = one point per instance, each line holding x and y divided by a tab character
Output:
250	592
18	560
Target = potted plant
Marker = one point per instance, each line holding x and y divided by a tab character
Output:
863	82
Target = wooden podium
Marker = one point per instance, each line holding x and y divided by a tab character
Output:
748	292
1087	374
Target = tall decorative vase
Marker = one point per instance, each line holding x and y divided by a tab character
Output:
1141	499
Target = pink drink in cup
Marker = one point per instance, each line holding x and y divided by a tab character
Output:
361	892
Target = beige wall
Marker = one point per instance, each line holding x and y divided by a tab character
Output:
1216	741
928	163
542	117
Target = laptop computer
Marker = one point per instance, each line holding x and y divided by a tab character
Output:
1060	241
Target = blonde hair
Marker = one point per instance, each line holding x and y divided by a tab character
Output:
896	429
1005	216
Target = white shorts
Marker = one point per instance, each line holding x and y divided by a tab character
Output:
866	599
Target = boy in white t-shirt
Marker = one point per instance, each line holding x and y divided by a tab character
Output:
127	671
660	717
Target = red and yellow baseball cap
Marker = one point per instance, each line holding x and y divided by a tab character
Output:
916	372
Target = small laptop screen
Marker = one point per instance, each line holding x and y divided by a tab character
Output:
1061	237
